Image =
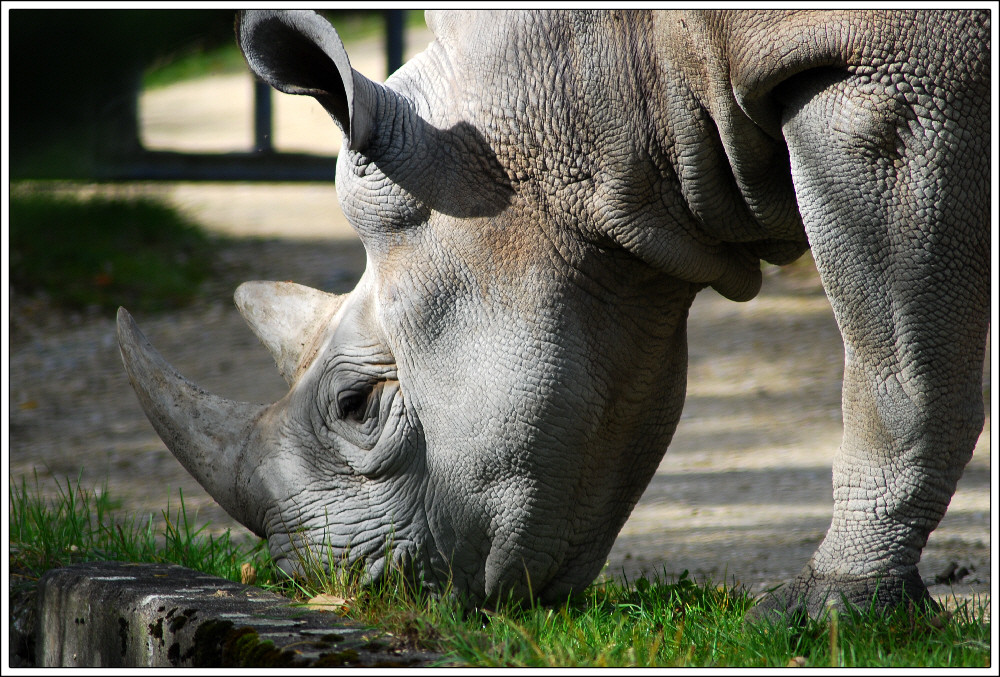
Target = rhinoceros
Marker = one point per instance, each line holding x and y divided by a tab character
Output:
541	195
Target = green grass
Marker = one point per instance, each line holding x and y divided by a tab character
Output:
658	623
82	525
196	61
105	251
647	623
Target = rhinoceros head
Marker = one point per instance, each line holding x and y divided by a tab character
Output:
485	408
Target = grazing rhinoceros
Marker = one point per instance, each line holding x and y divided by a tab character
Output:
541	196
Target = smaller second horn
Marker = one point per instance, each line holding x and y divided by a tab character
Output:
288	318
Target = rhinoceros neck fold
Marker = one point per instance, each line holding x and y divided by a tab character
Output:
206	433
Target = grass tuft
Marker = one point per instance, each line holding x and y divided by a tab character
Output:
80	525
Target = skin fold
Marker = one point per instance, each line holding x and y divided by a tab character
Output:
541	195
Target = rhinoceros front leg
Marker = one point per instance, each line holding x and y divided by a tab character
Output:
894	200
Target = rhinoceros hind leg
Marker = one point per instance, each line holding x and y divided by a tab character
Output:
897	218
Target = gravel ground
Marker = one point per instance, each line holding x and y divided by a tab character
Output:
743	493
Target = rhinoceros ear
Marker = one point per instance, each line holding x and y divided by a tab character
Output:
299	52
288	319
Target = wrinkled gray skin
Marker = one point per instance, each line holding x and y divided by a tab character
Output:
541	196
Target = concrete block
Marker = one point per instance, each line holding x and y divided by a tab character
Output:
113	614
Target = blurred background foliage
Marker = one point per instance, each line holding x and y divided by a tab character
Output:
75	80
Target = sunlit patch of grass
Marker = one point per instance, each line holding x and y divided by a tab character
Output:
198	61
105	251
648	623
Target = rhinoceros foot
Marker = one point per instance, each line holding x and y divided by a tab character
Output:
812	593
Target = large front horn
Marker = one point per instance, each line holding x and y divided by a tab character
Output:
208	434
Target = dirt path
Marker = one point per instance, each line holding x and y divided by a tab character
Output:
743	493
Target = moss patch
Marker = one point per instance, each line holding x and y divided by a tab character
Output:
218	644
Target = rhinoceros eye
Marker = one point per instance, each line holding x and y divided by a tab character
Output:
353	404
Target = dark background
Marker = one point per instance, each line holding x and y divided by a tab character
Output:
75	76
